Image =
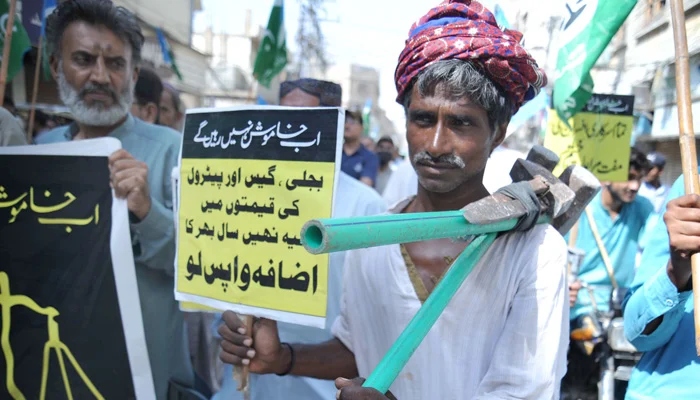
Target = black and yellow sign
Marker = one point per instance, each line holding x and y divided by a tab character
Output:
249	180
598	138
61	329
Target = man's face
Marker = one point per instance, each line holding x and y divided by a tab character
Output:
385	146
448	141
299	98
95	74
385	152
653	175
169	116
626	191
353	128
147	112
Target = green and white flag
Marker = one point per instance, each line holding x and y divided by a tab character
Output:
272	54
20	41
588	27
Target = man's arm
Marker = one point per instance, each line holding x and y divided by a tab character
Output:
653	310
11	133
370	170
154	234
530	355
655	306
328	360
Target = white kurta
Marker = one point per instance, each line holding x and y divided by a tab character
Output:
503	336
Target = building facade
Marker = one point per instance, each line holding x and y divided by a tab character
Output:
640	61
173	17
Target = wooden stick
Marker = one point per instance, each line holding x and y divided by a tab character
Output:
242	378
6	47
686	137
35	90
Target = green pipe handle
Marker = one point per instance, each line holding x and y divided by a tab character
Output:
342	234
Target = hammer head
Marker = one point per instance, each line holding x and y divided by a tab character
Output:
557	199
585	186
543	156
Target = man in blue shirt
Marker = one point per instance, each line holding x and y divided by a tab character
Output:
652	188
95	50
659	307
357	161
618	219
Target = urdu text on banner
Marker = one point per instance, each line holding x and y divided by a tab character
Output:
249	180
599	138
67	280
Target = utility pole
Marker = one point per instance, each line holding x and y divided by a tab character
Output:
310	39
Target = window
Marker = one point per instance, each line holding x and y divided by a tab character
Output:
654	8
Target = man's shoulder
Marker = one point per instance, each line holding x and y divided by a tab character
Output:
157	133
545	234
55	135
543	242
642	206
365	152
360	197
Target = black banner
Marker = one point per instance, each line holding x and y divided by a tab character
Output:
58	297
267	134
611	104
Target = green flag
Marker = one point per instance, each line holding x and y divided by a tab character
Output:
588	28
20	41
272	54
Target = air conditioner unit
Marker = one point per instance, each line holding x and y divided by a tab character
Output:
642	97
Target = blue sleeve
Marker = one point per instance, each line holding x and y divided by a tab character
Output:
156	238
646	211
218	320
652	294
156	232
371	167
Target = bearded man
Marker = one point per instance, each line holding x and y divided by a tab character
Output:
95	50
504	334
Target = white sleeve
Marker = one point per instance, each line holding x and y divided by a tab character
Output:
530	357
341	325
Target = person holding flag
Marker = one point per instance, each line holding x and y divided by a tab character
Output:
659	307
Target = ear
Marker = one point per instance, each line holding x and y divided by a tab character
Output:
151	113
135	75
53	64
499	135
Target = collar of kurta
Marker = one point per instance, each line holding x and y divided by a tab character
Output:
118	133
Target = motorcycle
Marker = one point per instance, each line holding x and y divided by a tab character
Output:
601	335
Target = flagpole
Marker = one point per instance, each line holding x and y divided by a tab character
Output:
35	88
686	137
6	47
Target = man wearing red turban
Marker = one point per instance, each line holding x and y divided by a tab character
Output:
504	334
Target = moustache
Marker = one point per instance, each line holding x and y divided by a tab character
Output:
91	88
445	159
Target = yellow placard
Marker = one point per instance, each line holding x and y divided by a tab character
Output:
239	232
188	306
599	142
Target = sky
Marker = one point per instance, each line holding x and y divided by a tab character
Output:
365	32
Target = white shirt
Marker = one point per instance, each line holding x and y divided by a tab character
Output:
504	335
404	181
657	196
353	199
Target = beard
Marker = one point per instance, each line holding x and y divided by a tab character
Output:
95	114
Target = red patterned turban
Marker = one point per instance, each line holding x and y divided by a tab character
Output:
466	30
